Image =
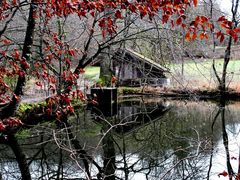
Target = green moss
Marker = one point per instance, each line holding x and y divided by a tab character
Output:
129	90
22	134
104	81
27	106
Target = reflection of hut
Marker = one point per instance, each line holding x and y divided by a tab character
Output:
131	114
134	69
135	114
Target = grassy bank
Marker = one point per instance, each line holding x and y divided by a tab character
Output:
200	75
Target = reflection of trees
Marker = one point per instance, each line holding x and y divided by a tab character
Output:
44	158
21	160
221	113
109	155
161	148
225	139
173	146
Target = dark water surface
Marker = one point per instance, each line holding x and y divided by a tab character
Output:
144	138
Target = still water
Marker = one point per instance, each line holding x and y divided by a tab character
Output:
139	138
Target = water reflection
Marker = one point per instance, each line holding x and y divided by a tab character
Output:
148	138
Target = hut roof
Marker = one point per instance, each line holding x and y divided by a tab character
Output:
142	58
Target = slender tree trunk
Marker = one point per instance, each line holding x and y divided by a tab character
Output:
105	70
222	79
11	108
222	87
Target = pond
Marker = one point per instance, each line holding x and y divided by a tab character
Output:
139	138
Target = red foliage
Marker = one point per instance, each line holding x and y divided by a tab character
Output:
224	174
114	79
10	123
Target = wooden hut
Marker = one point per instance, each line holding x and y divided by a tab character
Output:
133	69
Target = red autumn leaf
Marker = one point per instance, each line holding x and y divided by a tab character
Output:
7	42
25	64
123	6
68	62
104	34
188	37
39	84
3	53
235	38
182	11
109	22
14	121
202	35
70	109
21	73
132	8
232	34
165	18
143	11
222	18
197	20
203	19
221	38
211	26
2	126
226	25
14	2
16	54
179	21
224	174
184	26
114	79
195	2
102	23
92	13
71	52
194	36
219	33
237	30
118	14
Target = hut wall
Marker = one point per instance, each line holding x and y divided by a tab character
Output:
127	71
132	71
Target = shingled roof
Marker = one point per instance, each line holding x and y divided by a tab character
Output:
122	53
146	59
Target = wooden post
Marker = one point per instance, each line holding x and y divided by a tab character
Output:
107	100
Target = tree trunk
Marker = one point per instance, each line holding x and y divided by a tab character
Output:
11	108
105	71
222	86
